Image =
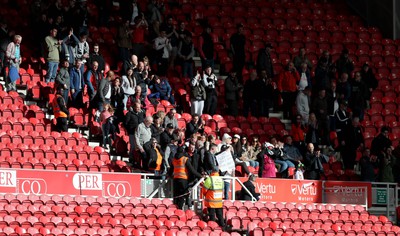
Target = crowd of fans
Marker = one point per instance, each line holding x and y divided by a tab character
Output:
331	97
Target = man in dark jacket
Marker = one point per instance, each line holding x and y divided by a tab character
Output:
353	139
249	184
134	117
194	126
77	84
358	97
92	79
313	162
104	92
264	61
166	136
96	56
238	42
231	93
250	95
210	161
381	142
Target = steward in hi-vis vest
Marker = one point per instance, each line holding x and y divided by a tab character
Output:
60	111
180	170
213	194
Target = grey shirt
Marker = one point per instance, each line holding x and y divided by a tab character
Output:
142	135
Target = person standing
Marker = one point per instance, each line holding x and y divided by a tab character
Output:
155	156
213	192
104	92
92	79
129	85
82	50
124	40
77	83
232	93
53	46
287	85
63	79
238	42
142	136
163	47
197	94
60	111
210	84
206	48
96	56
264	61
180	169
313	162
303	104
134	117
186	54
352	141
14	59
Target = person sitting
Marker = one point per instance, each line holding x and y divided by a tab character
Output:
163	89
251	194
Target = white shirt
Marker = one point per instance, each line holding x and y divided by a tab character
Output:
160	43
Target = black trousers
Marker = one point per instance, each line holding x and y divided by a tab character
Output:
289	99
232	107
210	106
216	211
62	124
349	155
180	187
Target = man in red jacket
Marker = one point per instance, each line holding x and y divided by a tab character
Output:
287	85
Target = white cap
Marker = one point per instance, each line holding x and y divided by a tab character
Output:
226	136
236	136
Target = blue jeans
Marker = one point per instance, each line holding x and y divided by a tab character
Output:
105	128
254	164
100	104
65	96
284	164
51	71
226	189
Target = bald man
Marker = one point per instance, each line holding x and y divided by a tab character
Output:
104	91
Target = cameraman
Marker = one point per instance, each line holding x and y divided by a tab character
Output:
313	162
210	83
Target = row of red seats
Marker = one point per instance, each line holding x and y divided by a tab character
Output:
17	137
141	230
11	123
306	217
268	231
52	151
